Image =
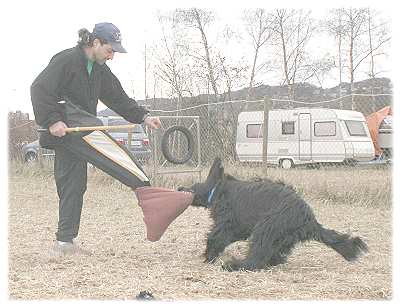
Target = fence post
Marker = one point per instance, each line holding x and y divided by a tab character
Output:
267	108
153	141
40	156
130	138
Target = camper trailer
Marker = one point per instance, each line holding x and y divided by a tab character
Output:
304	136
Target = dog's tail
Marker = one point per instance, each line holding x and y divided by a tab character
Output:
349	247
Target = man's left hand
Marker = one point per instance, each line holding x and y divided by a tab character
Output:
152	122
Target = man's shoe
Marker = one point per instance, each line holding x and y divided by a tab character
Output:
62	249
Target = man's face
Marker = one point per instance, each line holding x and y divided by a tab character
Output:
102	53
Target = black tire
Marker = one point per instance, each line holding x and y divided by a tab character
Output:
166	151
286	163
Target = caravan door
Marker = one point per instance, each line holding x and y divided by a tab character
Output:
305	136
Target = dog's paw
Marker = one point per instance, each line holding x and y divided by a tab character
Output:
231	266
209	256
210	259
182	188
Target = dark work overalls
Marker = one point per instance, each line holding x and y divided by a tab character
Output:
66	79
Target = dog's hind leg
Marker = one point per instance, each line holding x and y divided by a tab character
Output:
283	248
290	238
261	247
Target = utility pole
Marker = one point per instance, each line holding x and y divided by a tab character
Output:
267	108
145	75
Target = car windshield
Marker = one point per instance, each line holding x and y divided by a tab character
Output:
355	128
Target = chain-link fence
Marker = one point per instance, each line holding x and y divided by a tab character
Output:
354	130
333	132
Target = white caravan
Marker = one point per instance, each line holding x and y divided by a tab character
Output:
304	136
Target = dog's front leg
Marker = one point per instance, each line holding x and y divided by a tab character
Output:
217	240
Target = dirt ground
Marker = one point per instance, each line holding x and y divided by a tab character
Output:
124	263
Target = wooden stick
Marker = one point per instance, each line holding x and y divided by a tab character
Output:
106	127
93	128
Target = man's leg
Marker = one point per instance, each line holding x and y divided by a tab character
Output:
71	178
70	170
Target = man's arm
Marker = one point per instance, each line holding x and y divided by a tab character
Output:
113	96
45	92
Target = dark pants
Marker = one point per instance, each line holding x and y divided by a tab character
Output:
70	172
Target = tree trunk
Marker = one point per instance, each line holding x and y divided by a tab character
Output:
351	60
207	51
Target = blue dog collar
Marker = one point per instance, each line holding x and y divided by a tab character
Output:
210	195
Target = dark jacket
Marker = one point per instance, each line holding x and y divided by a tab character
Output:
66	79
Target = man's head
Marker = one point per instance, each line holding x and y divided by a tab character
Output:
102	42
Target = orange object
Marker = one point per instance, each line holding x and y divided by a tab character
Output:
374	121
161	206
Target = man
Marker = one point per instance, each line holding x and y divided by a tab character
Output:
80	77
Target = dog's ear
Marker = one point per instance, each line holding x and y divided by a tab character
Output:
217	163
216	170
221	169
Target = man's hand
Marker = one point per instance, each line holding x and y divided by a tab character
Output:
58	129
152	122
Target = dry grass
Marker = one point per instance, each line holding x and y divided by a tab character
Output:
124	263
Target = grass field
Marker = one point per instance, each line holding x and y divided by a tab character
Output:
124	263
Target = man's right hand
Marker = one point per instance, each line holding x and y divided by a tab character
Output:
58	129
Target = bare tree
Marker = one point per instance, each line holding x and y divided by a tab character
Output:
317	69
378	36
220	70
171	66
259	27
357	27
335	26
229	71
232	74
355	20
199	20
292	31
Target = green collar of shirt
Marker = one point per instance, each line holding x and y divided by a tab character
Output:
89	66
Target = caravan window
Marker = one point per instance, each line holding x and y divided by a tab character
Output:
288	128
323	129
254	131
355	128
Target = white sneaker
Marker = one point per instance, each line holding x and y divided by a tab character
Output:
61	249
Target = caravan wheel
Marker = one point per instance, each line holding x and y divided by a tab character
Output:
286	163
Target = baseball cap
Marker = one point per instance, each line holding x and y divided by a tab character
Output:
109	32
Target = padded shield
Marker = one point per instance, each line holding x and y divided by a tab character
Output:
160	207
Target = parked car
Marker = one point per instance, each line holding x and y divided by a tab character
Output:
380	125
385	136
305	136
140	145
30	151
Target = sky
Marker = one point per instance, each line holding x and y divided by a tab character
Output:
41	29
33	31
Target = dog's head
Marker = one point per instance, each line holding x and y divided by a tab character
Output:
204	191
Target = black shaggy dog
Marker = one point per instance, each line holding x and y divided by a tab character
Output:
270	214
